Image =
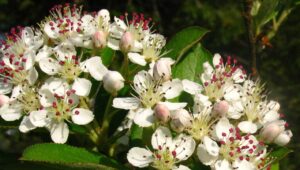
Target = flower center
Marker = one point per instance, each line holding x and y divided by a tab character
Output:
70	68
62	107
240	147
164	159
200	127
29	100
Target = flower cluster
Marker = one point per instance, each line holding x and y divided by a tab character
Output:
48	77
231	120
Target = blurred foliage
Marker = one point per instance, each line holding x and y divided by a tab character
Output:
278	57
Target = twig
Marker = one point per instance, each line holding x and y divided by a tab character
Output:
247	5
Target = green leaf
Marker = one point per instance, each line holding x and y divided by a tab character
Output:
279	153
275	166
77	129
136	135
107	55
183	41
267	11
192	64
67	155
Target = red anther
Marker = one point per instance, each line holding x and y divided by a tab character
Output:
174	153
223	134
77	112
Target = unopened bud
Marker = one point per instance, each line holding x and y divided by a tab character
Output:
113	82
126	42
180	120
177	126
283	138
162	112
162	69
99	39
221	108
272	130
3	99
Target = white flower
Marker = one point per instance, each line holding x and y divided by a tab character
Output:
202	119
60	104
17	68
235	151
257	111
149	93
137	28
167	152
23	101
113	81
151	51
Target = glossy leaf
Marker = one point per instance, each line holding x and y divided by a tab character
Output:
183	41
192	64
67	155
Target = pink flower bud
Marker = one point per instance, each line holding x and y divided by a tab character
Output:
126	42
162	112
113	82
221	108
271	130
3	99
99	39
162	69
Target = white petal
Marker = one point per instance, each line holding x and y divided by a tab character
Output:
136	58
222	165
238	76
172	88
45	52
216	59
32	76
17	90
204	156
223	126
26	125
181	167
3	99
59	132
39	118
96	68
173	106
211	146
57	86
139	157
191	87
120	23
64	51
49	66
5	88
10	113
82	116
232	92
113	43
247	127
184	146
161	138
144	117
51	33
243	165
127	103
82	86
29	60
283	138
142	80
46	97
271	116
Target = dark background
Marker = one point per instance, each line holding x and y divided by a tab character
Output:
278	64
